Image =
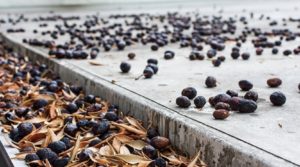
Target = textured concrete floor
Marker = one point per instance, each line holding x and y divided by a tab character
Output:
260	129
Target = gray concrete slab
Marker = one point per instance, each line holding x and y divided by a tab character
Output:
243	139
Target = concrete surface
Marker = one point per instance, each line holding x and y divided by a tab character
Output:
241	140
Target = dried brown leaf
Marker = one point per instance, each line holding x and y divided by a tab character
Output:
130	129
194	161
137	144
95	63
124	150
130	158
75	149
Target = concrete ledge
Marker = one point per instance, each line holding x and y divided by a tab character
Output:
217	148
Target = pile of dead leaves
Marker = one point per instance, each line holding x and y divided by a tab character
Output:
35	102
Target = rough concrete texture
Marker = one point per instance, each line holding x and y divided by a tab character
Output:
243	139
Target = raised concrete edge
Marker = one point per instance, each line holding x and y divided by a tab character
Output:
189	136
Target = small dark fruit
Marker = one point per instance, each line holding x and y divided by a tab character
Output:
221	114
94	142
125	67
101	127
222	105
24	129
131	55
152	61
232	93
245	85
148	72
46	153
278	98
57	146
251	95
90	98
211	82
62	162
169	55
84	155
152	132
72	107
189	92
216	62
246	106
199	101
245	56
183	102
39	103
31	157
150	152
159	142
274	82
160	162
71	130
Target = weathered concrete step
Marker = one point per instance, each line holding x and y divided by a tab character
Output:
217	148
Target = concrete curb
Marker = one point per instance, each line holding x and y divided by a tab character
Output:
217	148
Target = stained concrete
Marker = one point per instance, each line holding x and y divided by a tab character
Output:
241	140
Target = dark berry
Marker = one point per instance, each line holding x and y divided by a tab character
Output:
245	85
211	53
221	98
39	103
14	135
57	146
274	51
246	106
287	52
152	132
82	123
221	58
220	114
148	72
67	142
199	101
235	54
90	99
150	152
232	93
154	67
31	157
94	142
154	47
21	112
159	142
222	105
160	162
211	82
259	51
131	55
251	95
101	127
274	82
152	61
245	56
121	45
169	55
71	129
216	62
183	102
46	153
24	129
278	98
72	107
125	67
62	162
84	155
189	92
111	116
